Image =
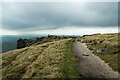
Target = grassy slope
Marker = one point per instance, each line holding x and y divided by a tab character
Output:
48	60
108	41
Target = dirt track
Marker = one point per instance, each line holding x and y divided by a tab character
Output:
90	65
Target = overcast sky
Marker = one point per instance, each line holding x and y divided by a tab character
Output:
59	18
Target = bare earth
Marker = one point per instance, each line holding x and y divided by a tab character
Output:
90	65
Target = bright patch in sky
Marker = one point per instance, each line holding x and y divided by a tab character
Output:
66	31
8	32
76	31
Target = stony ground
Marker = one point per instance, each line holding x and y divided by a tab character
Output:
90	65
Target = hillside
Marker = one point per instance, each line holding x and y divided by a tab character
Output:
105	46
48	60
52	56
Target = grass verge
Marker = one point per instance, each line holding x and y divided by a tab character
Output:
69	66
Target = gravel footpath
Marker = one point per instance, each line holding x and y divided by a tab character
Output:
90	65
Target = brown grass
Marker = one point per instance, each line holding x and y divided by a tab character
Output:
40	61
108	41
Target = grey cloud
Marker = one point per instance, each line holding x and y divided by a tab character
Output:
33	16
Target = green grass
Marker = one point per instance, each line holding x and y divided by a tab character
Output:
69	66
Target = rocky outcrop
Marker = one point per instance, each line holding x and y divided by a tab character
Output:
21	43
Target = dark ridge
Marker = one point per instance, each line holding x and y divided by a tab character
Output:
21	43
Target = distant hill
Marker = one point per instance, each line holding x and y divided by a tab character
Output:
8	40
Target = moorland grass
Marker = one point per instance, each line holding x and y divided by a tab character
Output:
107	41
48	60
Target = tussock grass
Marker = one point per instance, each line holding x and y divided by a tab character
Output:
107	41
48	60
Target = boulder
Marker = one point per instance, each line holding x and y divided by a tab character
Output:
102	50
93	43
